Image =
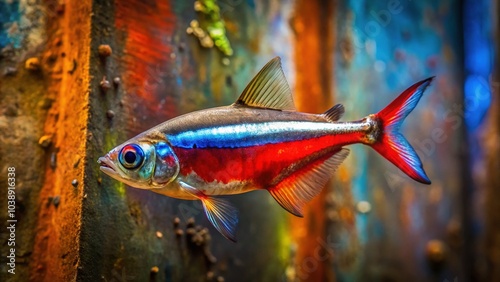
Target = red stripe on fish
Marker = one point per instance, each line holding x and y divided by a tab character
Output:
260	164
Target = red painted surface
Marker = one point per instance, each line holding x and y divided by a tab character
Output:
148	26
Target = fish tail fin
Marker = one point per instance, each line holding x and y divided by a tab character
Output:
393	145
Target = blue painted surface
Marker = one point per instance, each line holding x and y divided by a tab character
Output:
9	18
395	44
478	60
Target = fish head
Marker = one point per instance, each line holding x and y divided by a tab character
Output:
145	162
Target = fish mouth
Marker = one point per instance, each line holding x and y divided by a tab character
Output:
107	166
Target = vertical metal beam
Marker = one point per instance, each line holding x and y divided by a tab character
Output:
57	241
32	58
313	24
478	98
491	246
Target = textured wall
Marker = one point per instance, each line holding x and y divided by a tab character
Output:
413	231
43	122
80	77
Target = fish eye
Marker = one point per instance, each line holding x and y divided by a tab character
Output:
131	156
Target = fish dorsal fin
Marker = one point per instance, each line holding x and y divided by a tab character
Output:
268	89
293	192
334	113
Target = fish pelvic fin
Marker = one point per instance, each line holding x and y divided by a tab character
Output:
222	215
293	192
268	89
393	145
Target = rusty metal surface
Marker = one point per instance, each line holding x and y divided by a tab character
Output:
313	26
34	128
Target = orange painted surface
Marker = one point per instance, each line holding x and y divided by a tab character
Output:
56	249
313	26
314	65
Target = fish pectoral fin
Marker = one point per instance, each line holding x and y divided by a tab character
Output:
222	215
293	192
268	89
334	113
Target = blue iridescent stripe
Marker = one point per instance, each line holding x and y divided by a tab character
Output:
253	134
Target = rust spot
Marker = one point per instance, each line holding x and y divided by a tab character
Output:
190	222
73	67
104	51
105	85
435	251
61	8
190	231
177	221
210	275
45	104
56	200
32	64
179	232
45	141
155	269
110	114
75	165
50	58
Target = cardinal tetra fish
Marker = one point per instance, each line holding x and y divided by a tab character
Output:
259	142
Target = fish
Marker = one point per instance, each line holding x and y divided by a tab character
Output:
260	142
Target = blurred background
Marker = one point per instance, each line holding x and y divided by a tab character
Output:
79	77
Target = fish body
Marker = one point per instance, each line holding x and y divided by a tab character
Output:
259	142
236	149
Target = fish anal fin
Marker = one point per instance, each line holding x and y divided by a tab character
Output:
334	113
268	89
222	215
293	192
